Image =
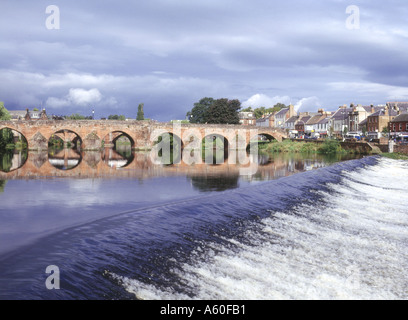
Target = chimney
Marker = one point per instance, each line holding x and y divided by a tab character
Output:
386	113
372	109
27	116
292	111
321	111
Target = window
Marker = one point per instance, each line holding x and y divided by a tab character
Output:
400	127
393	127
406	126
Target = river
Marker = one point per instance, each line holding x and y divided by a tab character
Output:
119	227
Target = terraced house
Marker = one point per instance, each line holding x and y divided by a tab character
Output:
379	121
284	115
399	125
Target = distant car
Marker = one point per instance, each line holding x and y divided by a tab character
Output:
351	137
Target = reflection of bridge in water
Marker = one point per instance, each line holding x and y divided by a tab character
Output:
108	163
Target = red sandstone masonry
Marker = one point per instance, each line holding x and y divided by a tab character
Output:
401	149
141	133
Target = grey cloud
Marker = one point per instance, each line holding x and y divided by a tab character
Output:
169	54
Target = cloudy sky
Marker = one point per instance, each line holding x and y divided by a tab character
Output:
112	55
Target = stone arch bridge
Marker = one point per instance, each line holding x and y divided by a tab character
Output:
94	134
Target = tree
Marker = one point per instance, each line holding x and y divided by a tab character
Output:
6	137
259	112
345	131
35	109
140	112
278	107
77	116
364	131
224	111
4	114
199	113
117	117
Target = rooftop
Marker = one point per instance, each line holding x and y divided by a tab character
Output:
403	117
283	112
293	119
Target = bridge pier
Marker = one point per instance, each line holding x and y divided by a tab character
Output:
38	142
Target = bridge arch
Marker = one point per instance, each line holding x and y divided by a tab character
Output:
263	136
66	136
164	141
112	137
16	133
215	148
12	159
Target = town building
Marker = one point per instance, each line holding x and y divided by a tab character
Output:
283	115
378	121
291	122
266	121
401	106
322	127
247	118
312	124
18	115
357	114
339	121
399	125
301	123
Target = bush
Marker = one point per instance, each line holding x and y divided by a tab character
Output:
330	147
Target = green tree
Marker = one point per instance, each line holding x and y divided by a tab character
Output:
140	112
199	113
259	112
76	116
35	109
116	117
6	137
224	111
2	185
4	114
364	130
278	107
249	109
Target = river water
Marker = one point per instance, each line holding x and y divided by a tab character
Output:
299	227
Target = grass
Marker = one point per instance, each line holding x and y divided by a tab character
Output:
288	146
395	156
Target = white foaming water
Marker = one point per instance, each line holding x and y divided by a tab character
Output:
353	244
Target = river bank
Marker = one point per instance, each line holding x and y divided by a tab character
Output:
320	147
395	156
